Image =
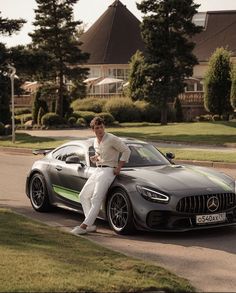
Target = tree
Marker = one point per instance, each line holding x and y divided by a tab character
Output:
217	83
178	111
55	34
137	77
167	29
233	88
7	27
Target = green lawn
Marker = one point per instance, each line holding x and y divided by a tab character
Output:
220	133
38	258
206	133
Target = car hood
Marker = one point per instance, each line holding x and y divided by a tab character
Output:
175	178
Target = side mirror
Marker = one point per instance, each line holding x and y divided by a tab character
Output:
170	156
73	160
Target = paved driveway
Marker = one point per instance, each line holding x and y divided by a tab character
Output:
206	258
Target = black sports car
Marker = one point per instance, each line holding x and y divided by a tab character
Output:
151	192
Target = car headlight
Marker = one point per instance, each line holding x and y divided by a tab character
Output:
152	195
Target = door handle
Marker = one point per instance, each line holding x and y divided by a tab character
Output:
59	168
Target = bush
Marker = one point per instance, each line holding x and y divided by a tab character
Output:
87	115
107	117
41	113
72	121
21	111
148	112
92	104
52	119
216	118
178	111
81	122
21	119
2	129
203	118
122	109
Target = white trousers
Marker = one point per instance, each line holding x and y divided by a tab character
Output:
94	192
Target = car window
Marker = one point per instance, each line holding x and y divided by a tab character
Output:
72	150
145	155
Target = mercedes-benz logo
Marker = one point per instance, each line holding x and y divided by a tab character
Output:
213	204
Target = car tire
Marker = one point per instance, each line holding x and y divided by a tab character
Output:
38	193
120	212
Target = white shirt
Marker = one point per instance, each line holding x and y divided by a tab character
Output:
109	150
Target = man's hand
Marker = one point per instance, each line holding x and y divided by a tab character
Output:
117	170
94	158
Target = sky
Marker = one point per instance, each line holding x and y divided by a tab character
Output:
87	11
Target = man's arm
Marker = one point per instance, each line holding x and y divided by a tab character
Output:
118	168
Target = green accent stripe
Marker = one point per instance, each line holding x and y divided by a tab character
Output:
67	193
215	179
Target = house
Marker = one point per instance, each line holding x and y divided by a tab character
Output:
115	37
219	30
111	41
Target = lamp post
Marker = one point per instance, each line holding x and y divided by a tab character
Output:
11	74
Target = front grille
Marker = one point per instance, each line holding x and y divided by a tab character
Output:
198	203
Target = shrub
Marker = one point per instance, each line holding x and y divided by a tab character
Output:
148	112
122	109
41	113
2	129
203	118
179	116
72	121
21	111
216	118
21	119
107	117
92	104
38	103
87	115
52	119
81	122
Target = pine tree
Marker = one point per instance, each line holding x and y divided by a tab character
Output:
9	26
55	33
166	30
137	77
217	83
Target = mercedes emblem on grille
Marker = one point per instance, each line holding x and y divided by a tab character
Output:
213	204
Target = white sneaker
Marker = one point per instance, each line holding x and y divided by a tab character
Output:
78	231
92	228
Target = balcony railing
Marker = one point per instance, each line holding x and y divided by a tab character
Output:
192	98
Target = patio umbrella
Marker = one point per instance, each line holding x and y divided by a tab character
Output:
109	80
91	79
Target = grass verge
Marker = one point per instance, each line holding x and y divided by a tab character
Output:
219	133
38	258
211	133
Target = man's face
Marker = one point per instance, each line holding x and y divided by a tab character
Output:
99	130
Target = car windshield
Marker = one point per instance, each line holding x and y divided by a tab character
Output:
145	155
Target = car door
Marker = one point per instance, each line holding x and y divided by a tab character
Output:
68	179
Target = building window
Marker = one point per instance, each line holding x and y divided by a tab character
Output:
200	19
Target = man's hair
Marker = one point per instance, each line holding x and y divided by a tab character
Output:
96	121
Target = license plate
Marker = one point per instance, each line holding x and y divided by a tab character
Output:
208	219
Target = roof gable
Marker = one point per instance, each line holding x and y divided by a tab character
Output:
114	37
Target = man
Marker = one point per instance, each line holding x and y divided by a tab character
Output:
107	147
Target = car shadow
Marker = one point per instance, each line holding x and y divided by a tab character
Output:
222	238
